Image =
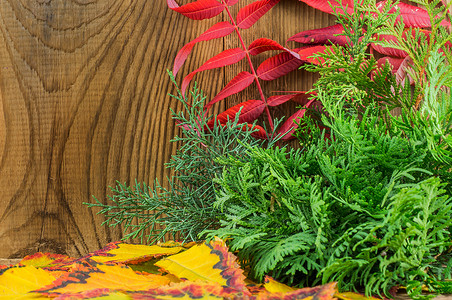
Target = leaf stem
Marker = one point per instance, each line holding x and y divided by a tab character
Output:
256	78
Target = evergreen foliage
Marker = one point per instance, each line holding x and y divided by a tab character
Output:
182	208
367	201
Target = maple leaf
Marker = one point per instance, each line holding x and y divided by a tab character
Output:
89	275
322	292
211	262
131	254
273	286
42	260
17	282
186	290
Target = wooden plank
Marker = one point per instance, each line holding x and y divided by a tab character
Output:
83	92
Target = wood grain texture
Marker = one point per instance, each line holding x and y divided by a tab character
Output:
83	103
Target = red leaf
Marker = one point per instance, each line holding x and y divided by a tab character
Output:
225	58
259	132
412	16
251	110
237	84
231	2
198	10
216	31
288	128
394	61
251	13
300	97
387	50
324	35
263	44
277	66
325	5
306	53
401	73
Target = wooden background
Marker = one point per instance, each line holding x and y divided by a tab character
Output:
83	103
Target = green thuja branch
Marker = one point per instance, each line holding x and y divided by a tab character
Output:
182	207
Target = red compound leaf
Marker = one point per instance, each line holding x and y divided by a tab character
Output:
288	127
198	10
251	13
279	65
218	30
237	84
326	35
225	58
326	6
249	111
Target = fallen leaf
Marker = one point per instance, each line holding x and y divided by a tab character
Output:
16	282
131	254
41	260
322	292
89	275
274	286
209	262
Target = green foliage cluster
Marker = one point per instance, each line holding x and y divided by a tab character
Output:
184	206
368	201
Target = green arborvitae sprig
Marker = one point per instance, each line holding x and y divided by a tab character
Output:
184	206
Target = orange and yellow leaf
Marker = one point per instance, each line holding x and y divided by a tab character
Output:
17	281
131	254
207	262
353	296
322	292
89	275
42	260
273	286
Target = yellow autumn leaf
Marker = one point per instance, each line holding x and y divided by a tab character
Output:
130	254
353	296
187	290
321	292
197	263
42	260
17	281
274	286
207	262
113	296
89	275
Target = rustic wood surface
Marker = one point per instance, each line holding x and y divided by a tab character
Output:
83	103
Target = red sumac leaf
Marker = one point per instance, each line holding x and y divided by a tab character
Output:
402	72
263	44
325	6
289	126
412	16
251	13
225	58
231	2
258	131
387	50
306	53
198	10
394	61
218	30
237	84
321	36
277	66
250	111
300	98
